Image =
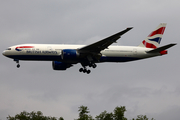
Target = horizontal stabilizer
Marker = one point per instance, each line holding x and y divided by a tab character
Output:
161	48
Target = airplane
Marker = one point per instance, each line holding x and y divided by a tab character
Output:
65	56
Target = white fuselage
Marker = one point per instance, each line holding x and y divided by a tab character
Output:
52	52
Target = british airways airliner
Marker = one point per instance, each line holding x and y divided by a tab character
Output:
65	56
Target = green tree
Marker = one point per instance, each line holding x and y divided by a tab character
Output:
119	113
32	116
61	118
142	117
104	116
83	113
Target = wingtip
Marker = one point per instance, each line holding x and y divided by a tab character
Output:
173	44
130	28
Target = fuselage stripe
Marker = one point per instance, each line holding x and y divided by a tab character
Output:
17	48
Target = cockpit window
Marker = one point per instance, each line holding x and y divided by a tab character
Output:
8	49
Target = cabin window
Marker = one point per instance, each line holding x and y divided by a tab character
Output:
8	49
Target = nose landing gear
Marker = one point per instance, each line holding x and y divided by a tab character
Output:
17	61
18	65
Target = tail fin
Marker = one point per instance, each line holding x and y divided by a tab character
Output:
154	39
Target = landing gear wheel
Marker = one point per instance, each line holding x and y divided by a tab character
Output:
18	65
88	71
84	71
94	65
81	69
17	61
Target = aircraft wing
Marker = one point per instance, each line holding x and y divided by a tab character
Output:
103	44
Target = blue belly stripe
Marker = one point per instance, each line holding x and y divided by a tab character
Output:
58	58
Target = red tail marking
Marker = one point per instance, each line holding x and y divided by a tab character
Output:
149	45
159	31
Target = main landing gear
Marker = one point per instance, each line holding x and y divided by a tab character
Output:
85	70
17	61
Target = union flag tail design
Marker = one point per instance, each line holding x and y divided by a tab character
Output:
154	39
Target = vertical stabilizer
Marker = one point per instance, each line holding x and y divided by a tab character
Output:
154	39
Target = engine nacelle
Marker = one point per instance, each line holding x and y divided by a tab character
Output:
60	65
69	55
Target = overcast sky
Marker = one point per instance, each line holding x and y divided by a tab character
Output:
150	87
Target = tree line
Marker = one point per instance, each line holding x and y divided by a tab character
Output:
117	114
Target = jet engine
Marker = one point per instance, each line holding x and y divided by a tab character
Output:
60	65
69	55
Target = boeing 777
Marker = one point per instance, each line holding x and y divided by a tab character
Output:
65	56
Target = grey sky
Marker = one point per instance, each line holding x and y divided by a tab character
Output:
150	86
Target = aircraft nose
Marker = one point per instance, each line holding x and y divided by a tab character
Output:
4	53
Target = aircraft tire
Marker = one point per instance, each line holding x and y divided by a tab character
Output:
88	71
94	65
84	71
18	65
81	69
